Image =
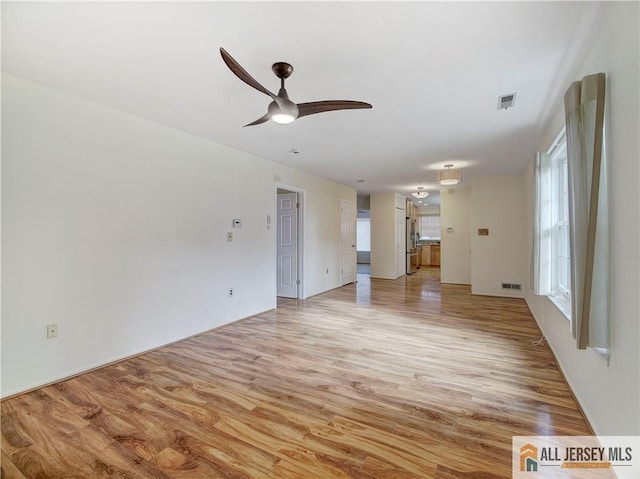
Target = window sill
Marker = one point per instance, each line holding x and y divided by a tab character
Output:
562	303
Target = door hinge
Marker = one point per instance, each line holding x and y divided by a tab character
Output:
297	205
297	281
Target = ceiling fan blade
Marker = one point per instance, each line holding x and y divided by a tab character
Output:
313	107
262	119
241	73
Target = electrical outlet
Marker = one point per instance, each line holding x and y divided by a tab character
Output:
230	292
52	330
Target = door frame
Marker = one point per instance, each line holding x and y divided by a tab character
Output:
300	223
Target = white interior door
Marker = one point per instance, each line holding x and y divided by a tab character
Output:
348	241
287	245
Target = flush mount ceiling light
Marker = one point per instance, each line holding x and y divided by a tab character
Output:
449	176
420	193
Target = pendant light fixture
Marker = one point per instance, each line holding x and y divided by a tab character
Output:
420	193
449	176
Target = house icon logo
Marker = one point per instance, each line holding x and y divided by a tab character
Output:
529	458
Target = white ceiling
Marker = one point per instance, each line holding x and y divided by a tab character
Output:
433	72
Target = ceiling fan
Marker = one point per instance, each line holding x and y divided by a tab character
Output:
281	109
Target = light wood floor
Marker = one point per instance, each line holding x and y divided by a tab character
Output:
383	379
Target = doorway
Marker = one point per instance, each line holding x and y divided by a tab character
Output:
288	243
363	242
348	242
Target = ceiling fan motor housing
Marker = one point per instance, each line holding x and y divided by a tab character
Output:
282	70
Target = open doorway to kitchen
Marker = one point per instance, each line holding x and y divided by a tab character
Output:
289	242
429	230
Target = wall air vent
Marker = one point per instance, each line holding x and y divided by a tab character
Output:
506	101
514	286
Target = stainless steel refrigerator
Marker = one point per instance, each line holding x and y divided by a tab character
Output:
412	252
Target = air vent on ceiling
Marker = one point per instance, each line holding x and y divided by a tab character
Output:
506	101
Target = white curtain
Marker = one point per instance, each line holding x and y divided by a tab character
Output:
542	226
588	216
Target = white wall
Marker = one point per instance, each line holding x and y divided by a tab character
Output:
497	203
383	235
321	231
610	396
115	228
484	262
428	210
455	245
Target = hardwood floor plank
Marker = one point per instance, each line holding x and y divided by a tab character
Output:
315	458
379	379
380	469
32	462
8	468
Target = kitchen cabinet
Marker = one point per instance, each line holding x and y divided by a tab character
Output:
430	255
425	257
435	255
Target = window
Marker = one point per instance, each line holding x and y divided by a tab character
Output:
552	259
560	259
571	234
429	227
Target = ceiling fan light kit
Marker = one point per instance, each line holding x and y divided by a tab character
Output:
449	176
281	109
282	115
